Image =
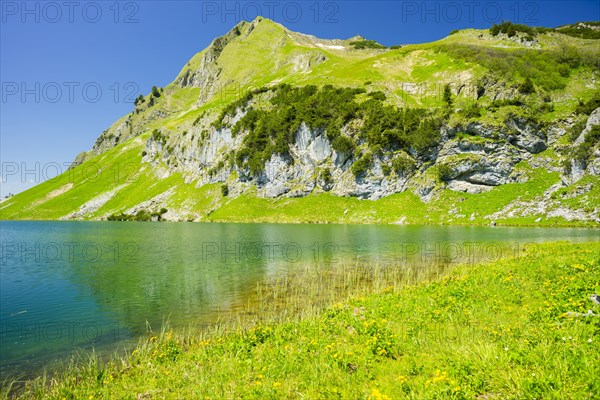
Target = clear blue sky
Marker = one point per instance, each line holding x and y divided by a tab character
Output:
54	56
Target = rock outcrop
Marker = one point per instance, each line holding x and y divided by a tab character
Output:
476	158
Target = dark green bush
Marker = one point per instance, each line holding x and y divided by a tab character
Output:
158	215
444	172
473	111
580	30
225	190
157	136
139	100
544	108
143	215
526	87
511	29
119	217
198	119
343	144
586	107
392	128
326	177
386	169
362	165
584	150
366	44
506	102
378	95
569	56
240	103
403	165
448	95
271	132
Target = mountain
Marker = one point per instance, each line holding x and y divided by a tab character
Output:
266	124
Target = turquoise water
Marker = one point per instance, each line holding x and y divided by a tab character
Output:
82	285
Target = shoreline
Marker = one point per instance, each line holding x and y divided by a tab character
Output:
592	225
346	344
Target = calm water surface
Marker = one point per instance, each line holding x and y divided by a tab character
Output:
72	285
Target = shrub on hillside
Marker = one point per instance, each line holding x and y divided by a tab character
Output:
547	69
366	44
445	172
141	215
511	29
526	87
473	111
158	137
584	150
581	30
343	144
587	107
447	95
362	165
139	100
378	95
326	177
403	164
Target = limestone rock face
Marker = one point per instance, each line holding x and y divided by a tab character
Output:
476	158
592	166
311	147
594	119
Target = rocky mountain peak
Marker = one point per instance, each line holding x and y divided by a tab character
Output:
272	113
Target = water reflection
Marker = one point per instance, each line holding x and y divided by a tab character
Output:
67	285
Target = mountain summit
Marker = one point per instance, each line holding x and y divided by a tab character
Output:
267	124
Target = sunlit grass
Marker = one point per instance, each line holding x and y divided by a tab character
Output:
505	329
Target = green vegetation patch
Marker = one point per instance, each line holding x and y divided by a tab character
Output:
583	30
140	216
546	69
587	107
584	150
272	130
366	44
511	29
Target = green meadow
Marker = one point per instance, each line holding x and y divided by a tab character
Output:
521	327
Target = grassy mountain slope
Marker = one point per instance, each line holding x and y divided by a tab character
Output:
149	159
